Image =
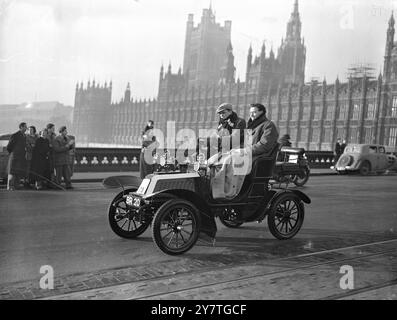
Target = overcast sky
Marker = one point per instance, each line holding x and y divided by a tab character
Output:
46	46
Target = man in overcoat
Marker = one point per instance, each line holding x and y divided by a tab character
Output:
264	133
41	161
61	148
17	160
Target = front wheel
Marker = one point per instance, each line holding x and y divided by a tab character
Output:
301	179
123	222
286	216
176	226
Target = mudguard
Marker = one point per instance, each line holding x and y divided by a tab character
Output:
302	196
122	181
298	193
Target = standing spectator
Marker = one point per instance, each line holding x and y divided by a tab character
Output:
337	150
147	139
343	146
41	160
51	137
31	139
61	147
72	154
17	161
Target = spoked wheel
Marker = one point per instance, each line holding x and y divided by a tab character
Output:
176	226
286	216
301	179
228	217
123	221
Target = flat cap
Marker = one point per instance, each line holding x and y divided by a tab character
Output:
224	106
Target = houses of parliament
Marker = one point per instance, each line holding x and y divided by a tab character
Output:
314	114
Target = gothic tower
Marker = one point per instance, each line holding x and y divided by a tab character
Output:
127	94
292	53
387	66
205	49
228	70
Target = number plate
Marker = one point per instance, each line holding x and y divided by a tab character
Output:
133	201
293	159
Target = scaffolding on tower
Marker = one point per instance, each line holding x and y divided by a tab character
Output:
358	71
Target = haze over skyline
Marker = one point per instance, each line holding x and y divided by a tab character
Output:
46	46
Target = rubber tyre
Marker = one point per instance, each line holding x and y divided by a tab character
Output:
161	216
230	224
301	181
132	234
365	168
276	210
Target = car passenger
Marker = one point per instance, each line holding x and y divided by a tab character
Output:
230	125
264	132
226	177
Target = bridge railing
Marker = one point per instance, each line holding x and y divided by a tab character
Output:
106	159
127	159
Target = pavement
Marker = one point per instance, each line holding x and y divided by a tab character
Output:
351	221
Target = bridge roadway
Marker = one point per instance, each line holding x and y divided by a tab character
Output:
352	221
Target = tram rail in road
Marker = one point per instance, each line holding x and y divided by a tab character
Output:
230	282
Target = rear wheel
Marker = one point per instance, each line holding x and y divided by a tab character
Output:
176	226
123	221
286	216
365	168
301	179
228	218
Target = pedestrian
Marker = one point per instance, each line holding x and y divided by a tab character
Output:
40	165
51	137
337	150
343	147
31	139
72	154
61	147
148	149
16	147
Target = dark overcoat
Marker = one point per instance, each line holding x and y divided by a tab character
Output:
61	150
16	147
148	146
40	166
233	127
264	136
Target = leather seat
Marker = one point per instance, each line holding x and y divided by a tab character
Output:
262	169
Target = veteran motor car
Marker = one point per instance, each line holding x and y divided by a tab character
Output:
176	201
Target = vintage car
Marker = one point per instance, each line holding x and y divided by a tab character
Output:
4	156
365	159
177	202
292	167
